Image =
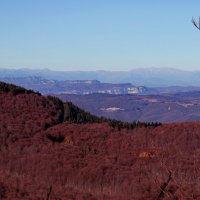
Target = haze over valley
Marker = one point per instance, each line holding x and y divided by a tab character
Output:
120	101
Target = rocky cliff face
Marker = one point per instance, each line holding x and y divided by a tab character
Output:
81	87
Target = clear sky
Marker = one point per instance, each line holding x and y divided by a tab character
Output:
99	34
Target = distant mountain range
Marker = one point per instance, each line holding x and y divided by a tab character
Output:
149	77
83	87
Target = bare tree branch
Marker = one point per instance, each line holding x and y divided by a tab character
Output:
164	186
195	23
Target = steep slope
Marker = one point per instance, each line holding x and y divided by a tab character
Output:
23	113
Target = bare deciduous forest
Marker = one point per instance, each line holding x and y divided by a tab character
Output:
42	157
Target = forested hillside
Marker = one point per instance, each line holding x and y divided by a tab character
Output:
54	150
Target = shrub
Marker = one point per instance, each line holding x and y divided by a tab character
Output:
56	138
2	191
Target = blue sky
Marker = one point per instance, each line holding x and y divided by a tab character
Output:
99	34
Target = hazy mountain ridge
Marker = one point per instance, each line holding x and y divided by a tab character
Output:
83	87
150	77
74	86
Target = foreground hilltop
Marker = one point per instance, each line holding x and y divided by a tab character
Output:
52	150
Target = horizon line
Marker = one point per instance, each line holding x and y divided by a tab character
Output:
97	70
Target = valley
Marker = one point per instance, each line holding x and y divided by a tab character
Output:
122	101
178	107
